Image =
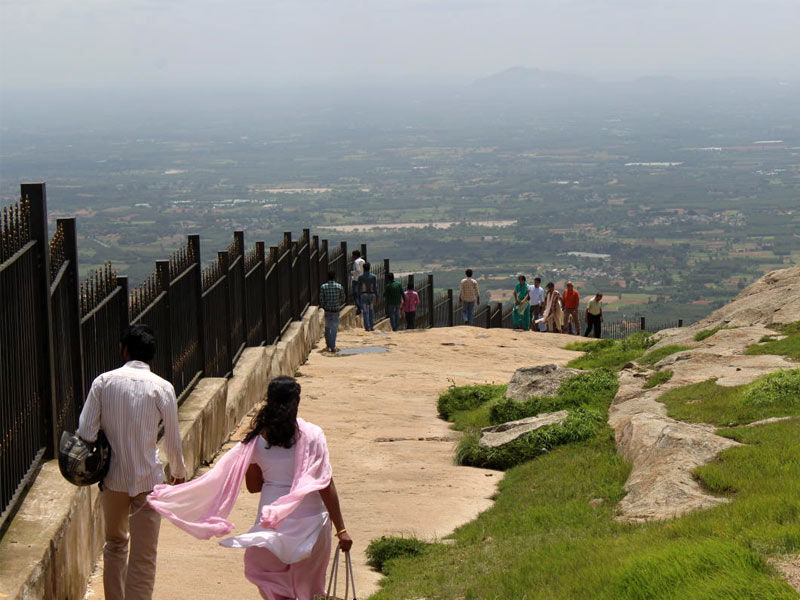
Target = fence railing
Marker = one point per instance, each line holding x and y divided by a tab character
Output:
58	333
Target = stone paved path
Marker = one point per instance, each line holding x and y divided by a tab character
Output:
391	455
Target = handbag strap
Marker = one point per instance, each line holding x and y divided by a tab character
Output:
333	580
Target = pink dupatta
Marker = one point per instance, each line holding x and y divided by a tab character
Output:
200	507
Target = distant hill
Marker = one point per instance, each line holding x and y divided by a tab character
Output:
523	77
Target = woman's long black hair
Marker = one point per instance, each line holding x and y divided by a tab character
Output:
277	419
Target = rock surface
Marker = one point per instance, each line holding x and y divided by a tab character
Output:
499	435
541	380
663	452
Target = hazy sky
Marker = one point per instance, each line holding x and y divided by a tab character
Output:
288	42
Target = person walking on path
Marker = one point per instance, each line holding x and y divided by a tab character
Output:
394	296
536	298
553	316
331	298
368	292
410	303
129	404
469	295
285	459
522	308
572	300
356	270
594	315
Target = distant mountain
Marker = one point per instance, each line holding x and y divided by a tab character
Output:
526	78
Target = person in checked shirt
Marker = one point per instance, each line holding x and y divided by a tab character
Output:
129	404
331	299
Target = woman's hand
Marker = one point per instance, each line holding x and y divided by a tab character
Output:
345	541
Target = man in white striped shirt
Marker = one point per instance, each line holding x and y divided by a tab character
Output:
128	404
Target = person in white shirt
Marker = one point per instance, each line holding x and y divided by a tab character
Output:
356	271
129	404
536	292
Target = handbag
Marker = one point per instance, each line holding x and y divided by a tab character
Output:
333	580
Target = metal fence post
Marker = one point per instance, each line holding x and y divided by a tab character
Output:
429	285
642	324
276	295
224	267
345	276
239	237
364	251
36	194
680	322
71	255
164	338
449	308
197	287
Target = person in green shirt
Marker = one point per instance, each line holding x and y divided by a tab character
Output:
394	295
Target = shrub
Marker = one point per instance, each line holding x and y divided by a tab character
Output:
657	379
581	424
653	357
781	388
466	397
386	548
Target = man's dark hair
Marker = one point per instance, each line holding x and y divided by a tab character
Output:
357	253
550	284
468	272
140	341
331	275
367	267
390	277
535	279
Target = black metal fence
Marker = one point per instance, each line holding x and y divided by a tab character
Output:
58	333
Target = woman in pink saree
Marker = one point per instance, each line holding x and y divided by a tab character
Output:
285	459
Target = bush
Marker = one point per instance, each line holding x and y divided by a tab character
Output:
657	379
581	424
781	388
386	548
466	397
595	388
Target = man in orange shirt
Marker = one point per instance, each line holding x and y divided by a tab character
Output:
571	299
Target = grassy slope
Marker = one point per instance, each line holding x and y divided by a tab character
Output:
542	539
788	346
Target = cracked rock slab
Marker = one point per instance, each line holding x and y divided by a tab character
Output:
499	435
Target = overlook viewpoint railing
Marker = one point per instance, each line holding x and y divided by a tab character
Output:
58	333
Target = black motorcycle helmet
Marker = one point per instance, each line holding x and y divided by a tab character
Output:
81	463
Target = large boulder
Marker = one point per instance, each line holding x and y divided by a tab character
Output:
492	437
541	380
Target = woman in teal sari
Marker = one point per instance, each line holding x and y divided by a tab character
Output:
522	305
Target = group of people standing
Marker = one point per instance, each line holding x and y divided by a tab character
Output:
364	288
536	307
556	312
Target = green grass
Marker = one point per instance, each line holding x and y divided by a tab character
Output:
543	541
657	378
580	424
593	389
707	333
611	354
380	551
653	357
773	395
467	397
788	346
